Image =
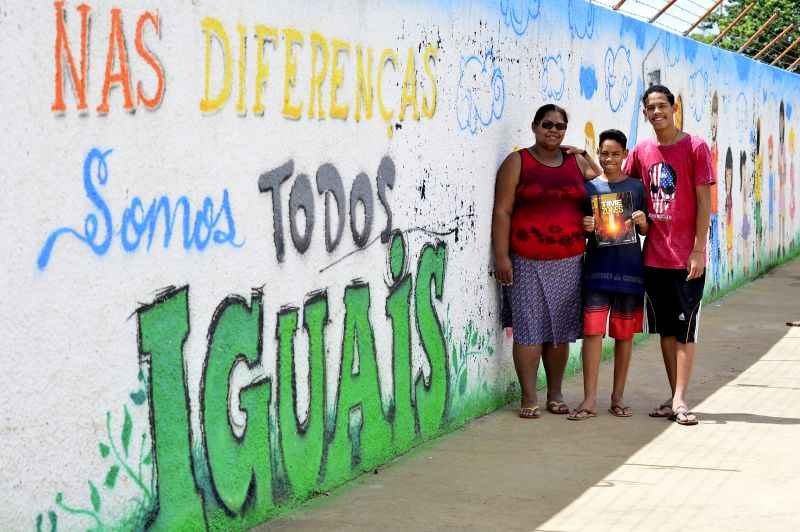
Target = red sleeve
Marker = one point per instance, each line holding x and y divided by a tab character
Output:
631	165
702	171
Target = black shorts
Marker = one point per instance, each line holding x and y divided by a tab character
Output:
672	303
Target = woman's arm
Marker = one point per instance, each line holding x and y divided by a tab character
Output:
505	189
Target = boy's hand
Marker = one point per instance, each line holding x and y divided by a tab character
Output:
588	224
639	218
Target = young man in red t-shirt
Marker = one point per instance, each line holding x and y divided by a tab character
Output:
676	172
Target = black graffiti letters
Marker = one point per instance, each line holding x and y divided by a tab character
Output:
329	180
361	192
271	182
331	187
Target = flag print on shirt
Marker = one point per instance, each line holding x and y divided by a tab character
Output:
663	183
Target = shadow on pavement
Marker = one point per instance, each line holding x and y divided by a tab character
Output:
505	473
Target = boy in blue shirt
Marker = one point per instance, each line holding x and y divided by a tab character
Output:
613	272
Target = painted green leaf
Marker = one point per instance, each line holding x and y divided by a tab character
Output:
148	459
53	520
138	397
455	357
95	496
127	425
462	383
140	376
39	523
103	449
111	476
59	497
473	339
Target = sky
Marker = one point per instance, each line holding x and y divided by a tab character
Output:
676	19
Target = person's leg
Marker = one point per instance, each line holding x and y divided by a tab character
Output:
669	345
690	297
554	357
684	363
596	309
622	361
590	356
626	320
526	362
661	315
561	285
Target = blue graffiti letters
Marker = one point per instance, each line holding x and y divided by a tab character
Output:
199	228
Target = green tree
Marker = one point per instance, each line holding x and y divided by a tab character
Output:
789	12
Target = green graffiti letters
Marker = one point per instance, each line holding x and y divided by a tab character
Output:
240	467
163	329
431	394
302	443
239	472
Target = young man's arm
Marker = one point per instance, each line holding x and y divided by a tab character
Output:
697	258
703	179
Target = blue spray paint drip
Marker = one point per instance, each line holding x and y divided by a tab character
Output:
742	66
581	19
200	228
690	48
518	14
633	132
636	28
588	81
788	111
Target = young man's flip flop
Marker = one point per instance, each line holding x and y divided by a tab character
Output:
683	416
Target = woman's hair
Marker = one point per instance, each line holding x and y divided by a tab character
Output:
548	108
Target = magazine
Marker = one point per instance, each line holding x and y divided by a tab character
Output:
613	225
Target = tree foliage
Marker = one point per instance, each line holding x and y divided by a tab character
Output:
789	13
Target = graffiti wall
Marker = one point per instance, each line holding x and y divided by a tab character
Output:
247	247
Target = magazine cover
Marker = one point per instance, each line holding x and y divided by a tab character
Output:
612	217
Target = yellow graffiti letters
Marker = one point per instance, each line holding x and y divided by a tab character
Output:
213	29
291	39
337	78
340	75
319	46
264	34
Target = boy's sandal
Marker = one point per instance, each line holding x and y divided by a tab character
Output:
620	411
580	415
557	407
529	412
686	419
659	411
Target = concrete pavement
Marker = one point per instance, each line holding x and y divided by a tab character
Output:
739	469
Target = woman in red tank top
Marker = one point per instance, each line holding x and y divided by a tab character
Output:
538	242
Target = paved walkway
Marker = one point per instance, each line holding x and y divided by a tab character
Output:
739	469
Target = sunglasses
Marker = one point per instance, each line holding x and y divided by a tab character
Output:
560	126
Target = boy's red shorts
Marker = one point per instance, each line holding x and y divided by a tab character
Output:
626	314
